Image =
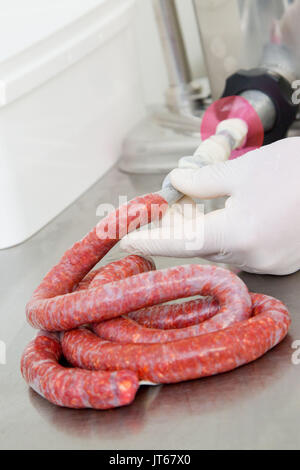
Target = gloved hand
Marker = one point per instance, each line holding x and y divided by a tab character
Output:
258	230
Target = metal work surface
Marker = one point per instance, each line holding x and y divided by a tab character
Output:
253	407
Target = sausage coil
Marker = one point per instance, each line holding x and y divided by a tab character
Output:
113	328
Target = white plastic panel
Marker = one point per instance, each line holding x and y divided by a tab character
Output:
59	137
23	23
46	57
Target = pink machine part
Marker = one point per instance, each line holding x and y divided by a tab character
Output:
234	107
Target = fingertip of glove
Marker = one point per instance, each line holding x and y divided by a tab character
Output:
125	244
180	176
180	173
134	245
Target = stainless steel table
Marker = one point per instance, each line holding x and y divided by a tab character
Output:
255	406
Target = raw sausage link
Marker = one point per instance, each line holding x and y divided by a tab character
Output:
166	317
232	296
194	339
159	286
190	358
54	307
72	387
118	298
115	271
121	269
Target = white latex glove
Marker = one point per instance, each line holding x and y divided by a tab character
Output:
259	228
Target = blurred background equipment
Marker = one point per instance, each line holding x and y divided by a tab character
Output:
70	91
83	83
245	54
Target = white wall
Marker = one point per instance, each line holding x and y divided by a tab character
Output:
154	76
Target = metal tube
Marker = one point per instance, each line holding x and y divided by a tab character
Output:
175	54
172	42
263	105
